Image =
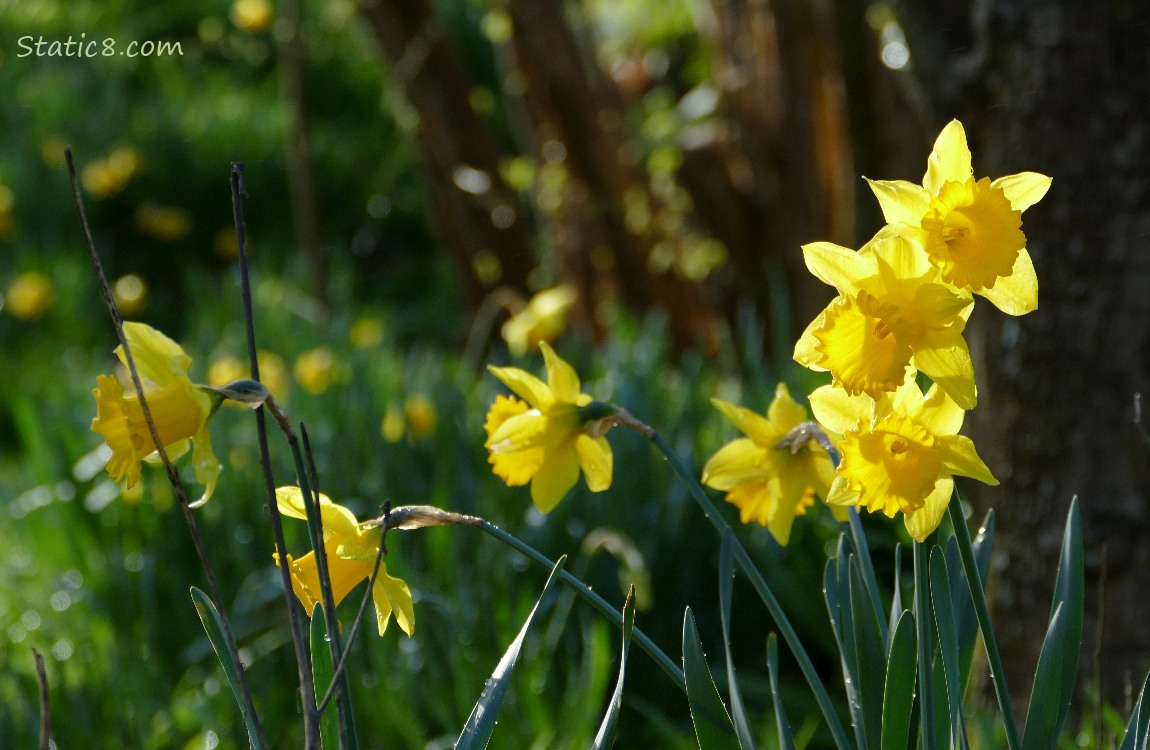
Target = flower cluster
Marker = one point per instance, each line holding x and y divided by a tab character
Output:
903	302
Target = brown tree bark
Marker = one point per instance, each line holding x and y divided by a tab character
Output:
1062	88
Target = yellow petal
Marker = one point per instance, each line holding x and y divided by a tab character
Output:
1016	294
945	358
838	266
597	461
525	385
561	377
939	306
950	159
960	457
784	413
392	596
157	357
558	473
940	414
921	522
754	501
898	259
519	468
837	410
207	466
520	432
753	425
859	346
1024	189
806	349
901	202
336	518
741	460
795	496
842	493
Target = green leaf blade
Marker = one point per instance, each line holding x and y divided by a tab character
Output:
898	692
606	732
713	727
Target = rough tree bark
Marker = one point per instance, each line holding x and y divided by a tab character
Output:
1062	88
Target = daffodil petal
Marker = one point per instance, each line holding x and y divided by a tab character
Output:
522	431
754	501
897	259
207	466
939	413
838	266
597	461
937	305
807	353
739	461
392	597
1016	294
950	159
561	377
901	202
157	357
525	385
960	457
837	410
921	522
557	474
1024	189
755	426
784	413
842	493
336	518
945	358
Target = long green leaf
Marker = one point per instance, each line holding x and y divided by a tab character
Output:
477	731
896	606
870	653
862	550
606	732
322	671
898	693
713	727
836	591
726	579
948	641
214	627
786	736
924	617
1137	729
1042	718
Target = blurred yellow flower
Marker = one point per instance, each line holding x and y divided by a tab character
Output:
226	368
131	295
165	223
899	452
421	415
313	370
181	411
7	200
549	435
226	245
52	151
543	319
770	484
971	229
394	424
29	296
351	549
366	332
110	175
892	313
252	16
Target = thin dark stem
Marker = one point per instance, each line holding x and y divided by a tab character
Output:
303	665
367	596
247	704
45	707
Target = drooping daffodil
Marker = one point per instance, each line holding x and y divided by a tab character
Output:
351	549
899	453
543	318
768	482
547	432
893	313
971	229
180	409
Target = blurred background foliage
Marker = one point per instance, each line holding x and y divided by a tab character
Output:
418	173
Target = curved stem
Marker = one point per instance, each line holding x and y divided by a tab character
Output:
788	632
596	601
982	612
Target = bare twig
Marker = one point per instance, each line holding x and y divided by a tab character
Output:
307	692
248	704
45	708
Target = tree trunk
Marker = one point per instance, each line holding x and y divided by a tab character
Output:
1061	88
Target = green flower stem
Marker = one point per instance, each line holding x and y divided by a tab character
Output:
982	612
788	632
862	553
923	622
596	601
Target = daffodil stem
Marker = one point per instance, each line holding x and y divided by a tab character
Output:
303	664
982	613
665	662
862	553
785	628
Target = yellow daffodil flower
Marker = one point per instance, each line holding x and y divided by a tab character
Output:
543	319
971	229
550	434
892	313
899	452
180	409
29	296
351	549
768	483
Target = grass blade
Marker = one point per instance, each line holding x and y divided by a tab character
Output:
1134	738
898	693
322	670
944	623
870	655
607	728
836	591
924	617
726	579
215	630
786	736
862	549
713	727
477	731
1041	718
